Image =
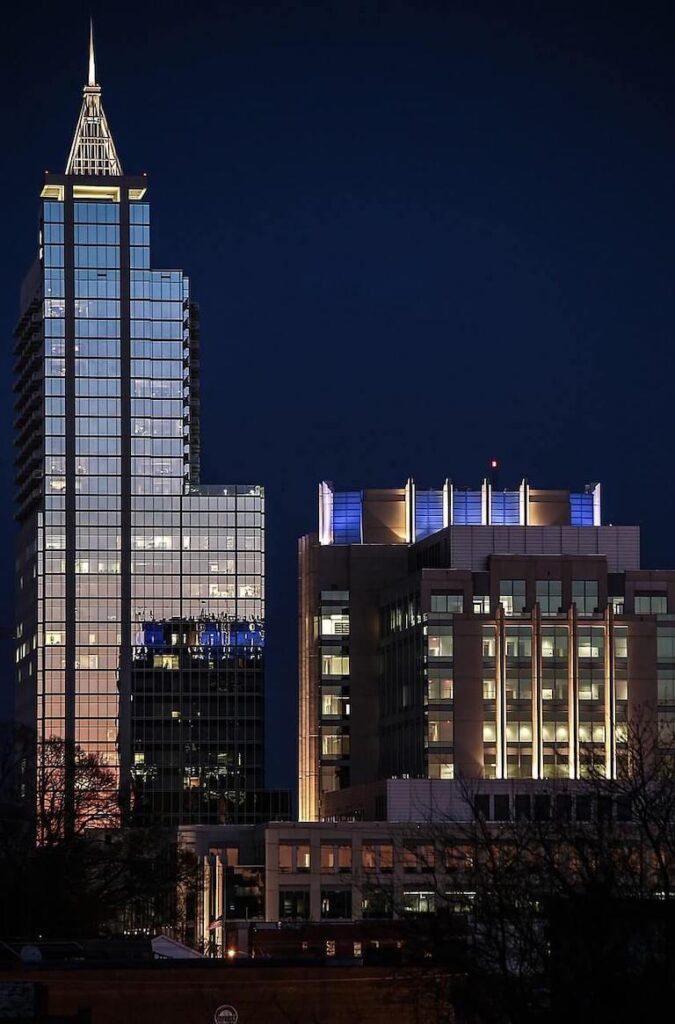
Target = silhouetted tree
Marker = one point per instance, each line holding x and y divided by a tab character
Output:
68	872
562	908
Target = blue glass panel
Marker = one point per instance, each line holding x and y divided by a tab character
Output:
53	211
153	633
246	637
212	636
347	517
428	513
581	509
467	508
505	508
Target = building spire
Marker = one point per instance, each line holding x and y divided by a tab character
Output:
92	59
93	150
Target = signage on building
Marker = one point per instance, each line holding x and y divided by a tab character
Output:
225	1015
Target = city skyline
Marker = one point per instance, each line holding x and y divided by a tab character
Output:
261	233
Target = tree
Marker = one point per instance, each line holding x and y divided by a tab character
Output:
70	871
76	791
569	900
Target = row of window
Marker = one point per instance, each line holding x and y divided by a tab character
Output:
87	444
512	597
336	904
552	732
375	856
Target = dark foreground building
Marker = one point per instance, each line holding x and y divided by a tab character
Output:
197	724
119	542
193	992
476	634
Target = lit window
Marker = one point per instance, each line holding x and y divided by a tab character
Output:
439	643
519	732
166	661
334	623
415	902
621	644
334	662
440	687
334	743
518	642
489	643
327	858
440	730
554	642
555	732
591	642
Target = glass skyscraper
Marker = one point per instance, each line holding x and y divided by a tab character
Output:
140	590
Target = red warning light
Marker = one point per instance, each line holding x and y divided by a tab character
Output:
493	463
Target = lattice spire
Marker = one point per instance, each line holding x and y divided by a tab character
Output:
93	150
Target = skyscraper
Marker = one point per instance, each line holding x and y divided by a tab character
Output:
131	574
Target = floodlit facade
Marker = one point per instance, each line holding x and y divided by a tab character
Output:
130	572
477	634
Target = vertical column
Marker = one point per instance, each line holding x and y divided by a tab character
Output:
124	680
486	503
610	697
206	903
71	535
537	710
314	841
468	703
220	906
500	691
573	692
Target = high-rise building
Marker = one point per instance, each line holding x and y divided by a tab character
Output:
140	599
476	634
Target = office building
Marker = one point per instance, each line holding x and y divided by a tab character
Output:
473	633
140	600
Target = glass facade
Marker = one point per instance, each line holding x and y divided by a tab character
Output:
141	592
467	508
429	513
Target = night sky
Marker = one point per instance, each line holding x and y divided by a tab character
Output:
420	234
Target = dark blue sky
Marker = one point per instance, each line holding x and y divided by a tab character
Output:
420	234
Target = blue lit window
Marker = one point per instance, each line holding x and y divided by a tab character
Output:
428	513
581	509
243	637
53	211
347	517
211	637
505	508
153	634
467	508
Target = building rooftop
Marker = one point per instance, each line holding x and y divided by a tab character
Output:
404	515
